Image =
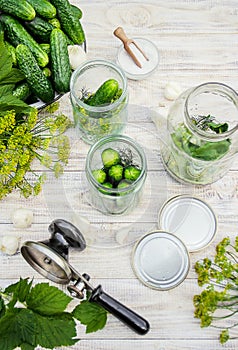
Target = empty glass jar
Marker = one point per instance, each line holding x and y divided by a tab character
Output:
202	139
95	121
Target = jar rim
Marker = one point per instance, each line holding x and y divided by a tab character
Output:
226	89
105	140
98	62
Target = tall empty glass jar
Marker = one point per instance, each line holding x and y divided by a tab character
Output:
202	137
96	119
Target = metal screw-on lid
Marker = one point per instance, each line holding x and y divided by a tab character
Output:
160	260
190	219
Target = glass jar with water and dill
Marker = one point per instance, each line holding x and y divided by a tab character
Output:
202	134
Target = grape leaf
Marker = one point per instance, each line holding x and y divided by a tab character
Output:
47	300
90	314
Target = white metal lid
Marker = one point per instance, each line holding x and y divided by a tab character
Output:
132	71
160	260
190	219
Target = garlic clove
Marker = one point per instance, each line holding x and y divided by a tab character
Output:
172	90
22	218
9	244
77	55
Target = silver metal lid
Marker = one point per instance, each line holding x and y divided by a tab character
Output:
160	260
190	219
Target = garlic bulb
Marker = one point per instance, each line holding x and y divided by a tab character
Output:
22	218
9	244
172	90
77	55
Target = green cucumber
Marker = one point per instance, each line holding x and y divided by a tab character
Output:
110	157
22	91
21	9
131	173
38	82
43	8
60	65
77	12
12	51
47	72
45	47
104	94
40	29
17	34
55	23
70	23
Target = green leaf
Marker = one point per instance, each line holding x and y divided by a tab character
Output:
5	61
24	327
53	331
14	76
211	150
218	128
47	300
19	291
2	307
16	327
6	89
90	314
26	346
10	102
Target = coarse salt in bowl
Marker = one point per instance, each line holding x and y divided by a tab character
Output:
132	71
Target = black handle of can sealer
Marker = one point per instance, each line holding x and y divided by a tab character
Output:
123	313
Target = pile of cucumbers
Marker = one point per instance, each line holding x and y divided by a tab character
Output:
37	34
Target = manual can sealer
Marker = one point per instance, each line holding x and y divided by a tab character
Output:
50	259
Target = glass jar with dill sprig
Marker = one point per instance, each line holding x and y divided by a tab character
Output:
202	134
99	97
116	170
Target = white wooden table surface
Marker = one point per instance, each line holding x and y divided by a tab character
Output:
197	41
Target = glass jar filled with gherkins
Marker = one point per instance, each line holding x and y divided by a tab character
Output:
99	97
116	170
202	134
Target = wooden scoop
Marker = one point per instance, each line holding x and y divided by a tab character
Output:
120	34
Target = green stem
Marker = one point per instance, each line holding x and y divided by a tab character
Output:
224	317
223	285
232	256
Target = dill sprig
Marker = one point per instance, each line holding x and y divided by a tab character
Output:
217	305
34	136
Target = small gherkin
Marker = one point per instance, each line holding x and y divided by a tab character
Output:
110	157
